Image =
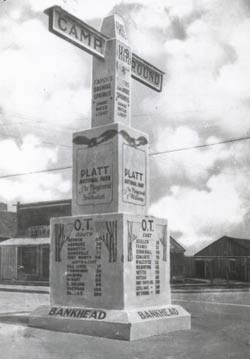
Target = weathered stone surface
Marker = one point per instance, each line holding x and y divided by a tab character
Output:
111	84
109	264
110	170
113	261
115	324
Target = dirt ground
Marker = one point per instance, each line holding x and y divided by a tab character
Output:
220	330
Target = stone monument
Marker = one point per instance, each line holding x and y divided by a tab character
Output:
109	264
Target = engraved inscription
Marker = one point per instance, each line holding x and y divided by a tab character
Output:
94	178
102	92
79	32
158	313
77	313
134	175
145	250
87	244
145	284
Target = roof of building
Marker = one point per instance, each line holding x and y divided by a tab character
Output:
25	241
175	246
8	224
61	202
243	242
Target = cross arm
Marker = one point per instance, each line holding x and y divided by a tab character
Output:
80	34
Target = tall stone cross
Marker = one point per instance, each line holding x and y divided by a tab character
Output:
113	64
109	261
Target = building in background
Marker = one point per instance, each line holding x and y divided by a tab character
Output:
177	261
3	207
227	258
25	256
8	222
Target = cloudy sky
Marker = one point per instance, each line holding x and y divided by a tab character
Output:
201	45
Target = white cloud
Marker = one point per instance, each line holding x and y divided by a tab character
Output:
144	19
41	5
181	8
204	48
234	77
183	136
191	166
30	156
81	9
201	214
42	187
207	71
43	79
176	8
67	104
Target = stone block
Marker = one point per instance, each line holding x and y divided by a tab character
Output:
111	77
110	170
114	324
111	261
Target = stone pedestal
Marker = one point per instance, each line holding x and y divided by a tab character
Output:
110	170
109	263
111	85
110	276
115	324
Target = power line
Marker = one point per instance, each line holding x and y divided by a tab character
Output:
158	114
32	121
151	154
38	123
31	117
35	172
42	142
56	144
199	146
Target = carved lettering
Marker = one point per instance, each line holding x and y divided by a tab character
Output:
78	313
158	313
60	21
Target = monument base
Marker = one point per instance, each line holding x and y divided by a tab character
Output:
115	324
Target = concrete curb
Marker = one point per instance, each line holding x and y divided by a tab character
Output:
210	290
25	290
46	290
15	318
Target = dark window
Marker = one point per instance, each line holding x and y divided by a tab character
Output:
45	262
232	266
28	260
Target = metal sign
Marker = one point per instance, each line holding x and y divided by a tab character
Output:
76	31
38	231
146	73
94	42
